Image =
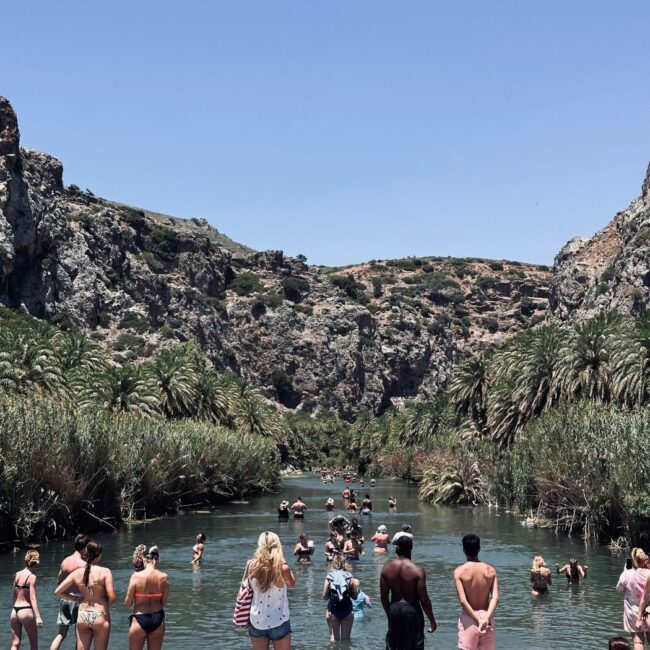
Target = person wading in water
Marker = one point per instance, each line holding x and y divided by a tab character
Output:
403	586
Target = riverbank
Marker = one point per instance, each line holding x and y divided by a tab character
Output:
65	471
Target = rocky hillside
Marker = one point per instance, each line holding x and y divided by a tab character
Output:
610	270
314	338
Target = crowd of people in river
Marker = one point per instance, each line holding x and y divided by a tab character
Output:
86	589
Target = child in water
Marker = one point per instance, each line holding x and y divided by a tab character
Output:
362	600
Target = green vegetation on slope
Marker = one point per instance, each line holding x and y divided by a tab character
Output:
86	444
555	422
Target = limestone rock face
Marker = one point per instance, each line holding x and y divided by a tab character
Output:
358	338
609	271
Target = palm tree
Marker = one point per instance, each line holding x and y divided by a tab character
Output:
174	375
630	362
585	370
214	397
423	421
468	389
77	350
124	388
253	416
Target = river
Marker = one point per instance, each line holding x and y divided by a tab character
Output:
201	601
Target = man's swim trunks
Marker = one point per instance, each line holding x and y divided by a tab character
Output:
469	637
405	627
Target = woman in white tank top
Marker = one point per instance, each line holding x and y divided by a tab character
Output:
269	576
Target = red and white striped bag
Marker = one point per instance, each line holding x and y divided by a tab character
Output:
241	615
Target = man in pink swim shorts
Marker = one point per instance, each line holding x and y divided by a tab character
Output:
478	594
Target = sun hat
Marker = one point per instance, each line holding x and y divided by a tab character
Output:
382	529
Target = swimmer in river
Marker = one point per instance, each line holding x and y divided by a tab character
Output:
540	576
299	509
366	506
329	504
198	549
573	570
304	549
392	502
353	549
333	546
346	494
380	538
372	482
352	507
283	510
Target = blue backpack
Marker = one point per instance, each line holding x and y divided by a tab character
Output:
340	596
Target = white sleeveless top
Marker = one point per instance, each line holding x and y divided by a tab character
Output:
269	608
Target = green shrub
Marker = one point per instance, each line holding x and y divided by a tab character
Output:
152	262
245	283
294	286
303	309
163	242
496	266
128	342
353	289
134	321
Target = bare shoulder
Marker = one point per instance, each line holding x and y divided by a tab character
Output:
490	571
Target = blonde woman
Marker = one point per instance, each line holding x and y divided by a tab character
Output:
24	613
339	590
633	583
147	594
95	584
269	576
540	576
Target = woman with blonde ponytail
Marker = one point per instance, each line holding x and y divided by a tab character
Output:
95	584
269	576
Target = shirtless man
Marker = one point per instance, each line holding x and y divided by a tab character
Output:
478	594
403	586
68	608
298	509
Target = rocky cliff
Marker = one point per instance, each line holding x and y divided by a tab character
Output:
610	270
314	338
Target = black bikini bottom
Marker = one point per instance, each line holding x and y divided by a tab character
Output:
17	609
149	622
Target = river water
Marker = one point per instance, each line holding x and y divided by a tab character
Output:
200	606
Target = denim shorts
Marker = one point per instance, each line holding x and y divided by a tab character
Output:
274	633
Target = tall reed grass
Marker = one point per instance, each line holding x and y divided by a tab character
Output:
62	470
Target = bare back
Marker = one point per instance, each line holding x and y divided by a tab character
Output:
99	589
148	591
69	565
477	580
404	580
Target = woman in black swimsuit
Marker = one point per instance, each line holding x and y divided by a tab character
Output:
25	610
304	549
147	594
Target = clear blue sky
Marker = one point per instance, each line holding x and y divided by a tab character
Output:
345	129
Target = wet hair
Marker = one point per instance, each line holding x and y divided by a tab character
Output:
201	537
367	496
471	545
619	643
93	551
339	563
32	559
639	558
267	565
152	556
80	542
538	563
